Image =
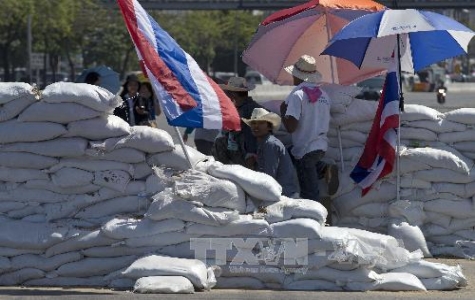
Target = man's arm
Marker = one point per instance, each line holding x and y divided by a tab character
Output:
289	122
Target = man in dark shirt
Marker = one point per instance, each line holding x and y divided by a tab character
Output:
238	147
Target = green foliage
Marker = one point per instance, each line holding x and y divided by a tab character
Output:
87	33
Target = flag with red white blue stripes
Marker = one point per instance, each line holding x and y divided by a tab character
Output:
189	98
379	154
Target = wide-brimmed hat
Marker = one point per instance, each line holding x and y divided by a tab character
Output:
260	114
306	69
237	84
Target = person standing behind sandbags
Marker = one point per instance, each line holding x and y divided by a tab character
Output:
306	115
129	95
272	156
238	147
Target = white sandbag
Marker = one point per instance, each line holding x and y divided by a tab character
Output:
21	175
354	135
24	235
82	240
57	112
122	284
437	158
428	269
411	237
157	265
135	188
48	185
168	206
408	165
312	285
98	128
357	111
6	206
119	205
92	165
93	281
158	240
246	225
71	177
20	276
439	126
297	228
345	203
10	252
259	185
468	146
457	209
5	264
163	285
457	137
364	127
113	179
125	155
14	131
155	184
411	211
463	115
335	143
26	160
371	210
444	175
341	277
122	228
143	138
92	96
90	266
10	91
59	147
417	112
141	170
419	134
23	194
443	283
288	208
115	251
201	187
42	263
389	282
247	283
437	218
176	158
11	109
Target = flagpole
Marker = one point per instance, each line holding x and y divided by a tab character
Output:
182	143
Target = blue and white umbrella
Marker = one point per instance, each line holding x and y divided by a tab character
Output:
109	78
425	38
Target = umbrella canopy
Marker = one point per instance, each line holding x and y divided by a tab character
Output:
425	38
306	29
109	78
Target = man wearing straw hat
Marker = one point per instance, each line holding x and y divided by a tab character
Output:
238	147
306	115
272	156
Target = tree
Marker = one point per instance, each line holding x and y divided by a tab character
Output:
13	24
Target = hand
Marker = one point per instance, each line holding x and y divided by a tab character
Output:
185	137
141	110
251	162
283	108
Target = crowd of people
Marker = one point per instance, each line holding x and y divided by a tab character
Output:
305	114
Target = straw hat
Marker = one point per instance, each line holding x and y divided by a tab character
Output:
306	69
260	114
237	84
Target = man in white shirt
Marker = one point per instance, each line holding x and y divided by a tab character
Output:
306	115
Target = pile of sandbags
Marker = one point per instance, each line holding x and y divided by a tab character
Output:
436	178
86	200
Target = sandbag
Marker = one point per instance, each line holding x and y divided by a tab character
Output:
121	228
411	236
288	208
125	155
163	285
62	113
14	131
59	147
11	109
21	175
201	187
71	177
98	128
259	185
10	91
176	158
92	96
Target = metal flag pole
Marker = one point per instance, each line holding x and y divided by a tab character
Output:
401	110
182	143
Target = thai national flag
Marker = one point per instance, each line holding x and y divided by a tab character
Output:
379	153
189	98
